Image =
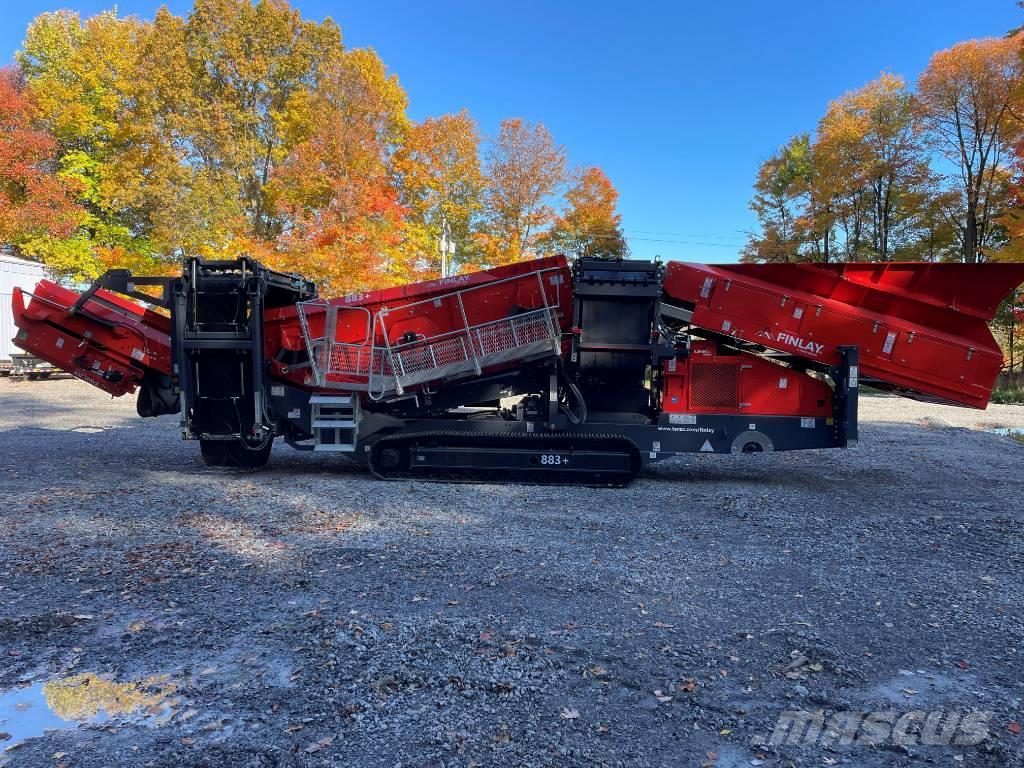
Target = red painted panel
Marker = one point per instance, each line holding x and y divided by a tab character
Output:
949	304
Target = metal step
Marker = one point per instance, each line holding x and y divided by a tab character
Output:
334	422
331	399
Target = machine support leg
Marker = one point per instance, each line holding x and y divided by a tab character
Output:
846	376
553	416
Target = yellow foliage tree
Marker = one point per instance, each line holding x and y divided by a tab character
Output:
439	172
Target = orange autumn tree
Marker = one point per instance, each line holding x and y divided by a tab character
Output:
341	214
589	225
242	127
36	203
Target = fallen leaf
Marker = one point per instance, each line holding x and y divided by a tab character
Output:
485	636
84	616
663	625
569	714
1013	728
187	741
661	697
797	661
687	686
725	732
963	665
316	746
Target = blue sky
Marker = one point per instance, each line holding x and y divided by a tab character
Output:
678	102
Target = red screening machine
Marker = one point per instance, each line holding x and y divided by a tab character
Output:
537	371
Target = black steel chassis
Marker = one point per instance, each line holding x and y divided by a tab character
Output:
216	311
478	445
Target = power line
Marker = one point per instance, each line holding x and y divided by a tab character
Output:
615	232
631	238
736	246
686	234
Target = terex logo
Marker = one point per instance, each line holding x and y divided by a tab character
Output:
795	341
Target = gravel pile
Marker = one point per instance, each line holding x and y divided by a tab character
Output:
309	615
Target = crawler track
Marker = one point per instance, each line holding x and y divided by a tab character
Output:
536	459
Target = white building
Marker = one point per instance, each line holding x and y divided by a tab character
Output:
14	272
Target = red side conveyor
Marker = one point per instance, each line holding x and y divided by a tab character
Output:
109	342
921	328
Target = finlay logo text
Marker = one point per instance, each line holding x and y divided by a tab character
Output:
803	345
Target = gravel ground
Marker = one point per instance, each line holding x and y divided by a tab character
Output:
310	615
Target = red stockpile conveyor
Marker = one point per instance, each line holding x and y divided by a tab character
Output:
921	329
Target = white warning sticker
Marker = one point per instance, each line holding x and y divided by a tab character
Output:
890	339
807	423
783	382
706	448
137	354
705	290
277	390
682	418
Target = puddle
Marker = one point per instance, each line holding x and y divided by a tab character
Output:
87	699
1007	431
921	687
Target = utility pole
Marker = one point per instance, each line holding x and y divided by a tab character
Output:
447	246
